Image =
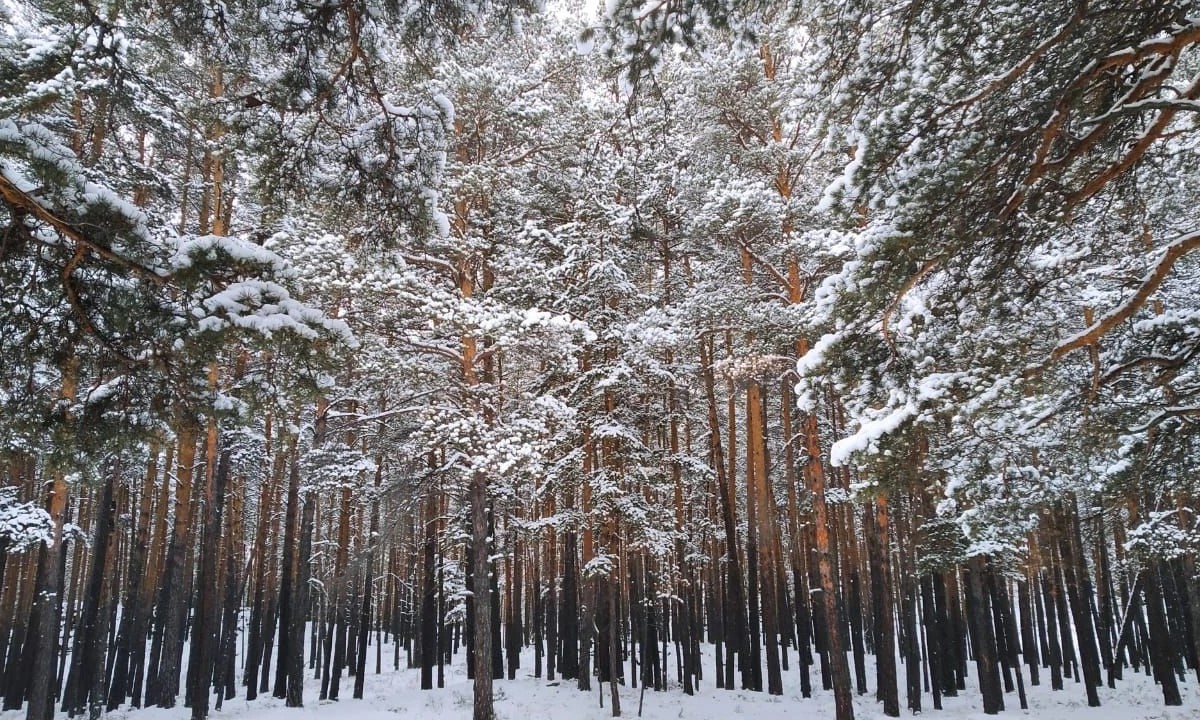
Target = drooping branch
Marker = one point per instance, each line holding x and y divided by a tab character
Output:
17	198
909	284
1018	70
1181	411
1136	150
1161	55
1161	363
1179	247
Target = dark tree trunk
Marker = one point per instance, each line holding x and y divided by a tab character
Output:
614	654
513	629
46	613
878	549
260	617
735	633
428	639
494	599
132	622
551	606
87	665
1050	610
983	636
803	629
1079	588
298	615
1104	600
288	605
1029	648
364	630
28	604
1160	641
539	615
932	640
956	631
912	653
225	674
483	709
207	628
1001	601
857	643
568	617
174	589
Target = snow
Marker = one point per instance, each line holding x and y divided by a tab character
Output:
815	357
586	42
393	695
441	221
22	523
192	248
869	434
845	182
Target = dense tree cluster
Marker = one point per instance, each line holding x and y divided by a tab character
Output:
805	331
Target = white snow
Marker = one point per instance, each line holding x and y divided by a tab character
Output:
394	695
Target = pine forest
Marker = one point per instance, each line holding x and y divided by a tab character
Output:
565	359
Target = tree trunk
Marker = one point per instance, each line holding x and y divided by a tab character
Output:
429	632
133	610
289	577
207	629
839	669
1079	588
259	616
1160	642
879	548
983	635
483	708
299	612
46	608
735	632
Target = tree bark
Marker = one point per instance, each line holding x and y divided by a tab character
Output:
983	635
207	629
483	708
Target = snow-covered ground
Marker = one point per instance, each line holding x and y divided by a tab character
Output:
396	696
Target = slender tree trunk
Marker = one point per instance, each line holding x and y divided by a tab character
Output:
46	607
259	617
173	593
1050	611
881	597
289	570
1029	648
735	632
934	652
87	665
983	635
1079	588
224	673
132	608
299	616
568	617
514	627
481	586
207	629
839	669
340	600
1001	600
551	593
614	654
1160	642
908	608
428	597
1103	601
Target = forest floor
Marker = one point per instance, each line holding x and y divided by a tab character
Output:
396	695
